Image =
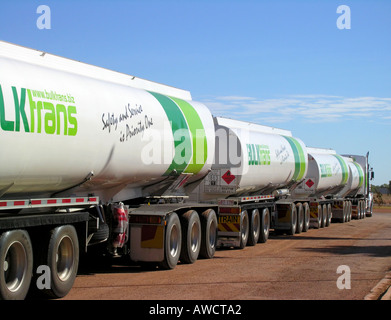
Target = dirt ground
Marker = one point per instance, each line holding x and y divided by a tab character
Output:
382	209
304	266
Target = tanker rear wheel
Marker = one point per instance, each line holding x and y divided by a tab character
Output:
265	226
293	221
324	216
208	234
244	230
172	242
329	214
62	258
358	210
306	209
16	264
345	212
363	209
349	210
300	218
320	217
255	227
191	237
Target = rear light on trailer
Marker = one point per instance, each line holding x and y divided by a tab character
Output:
235	210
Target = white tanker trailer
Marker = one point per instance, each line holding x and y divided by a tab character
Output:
358	191
254	168
327	175
273	181
96	157
80	145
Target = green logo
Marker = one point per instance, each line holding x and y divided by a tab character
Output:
258	154
49	112
325	170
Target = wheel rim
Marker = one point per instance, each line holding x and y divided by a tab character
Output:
320	215
256	222
294	217
324	212
245	227
212	234
266	223
15	266
174	241
300	217
344	212
65	258
195	237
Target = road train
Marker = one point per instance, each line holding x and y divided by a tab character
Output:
93	158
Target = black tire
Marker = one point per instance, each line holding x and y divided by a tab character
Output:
255	227
329	215
244	229
324	216
172	242
369	212
209	229
101	235
363	209
16	261
320	217
62	259
293	213
358	210
191	237
306	209
300	218
265	226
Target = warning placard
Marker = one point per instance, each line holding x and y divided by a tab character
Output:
228	177
220	181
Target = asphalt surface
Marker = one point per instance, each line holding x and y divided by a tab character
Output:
349	261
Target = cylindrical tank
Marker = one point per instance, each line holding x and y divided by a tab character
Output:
259	158
356	178
327	173
59	128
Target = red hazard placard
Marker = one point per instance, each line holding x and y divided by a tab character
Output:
309	183
228	177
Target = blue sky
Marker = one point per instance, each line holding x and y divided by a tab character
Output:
278	63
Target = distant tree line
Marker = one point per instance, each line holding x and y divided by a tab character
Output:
382	189
379	191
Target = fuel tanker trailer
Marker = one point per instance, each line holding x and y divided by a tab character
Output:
254	168
327	175
334	187
82	148
358	191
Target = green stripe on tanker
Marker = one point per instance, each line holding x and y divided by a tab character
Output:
180	131
360	173
300	161
200	148
345	170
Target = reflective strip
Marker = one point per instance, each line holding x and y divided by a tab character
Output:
47	202
229	227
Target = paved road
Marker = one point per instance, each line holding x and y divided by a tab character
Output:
300	267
